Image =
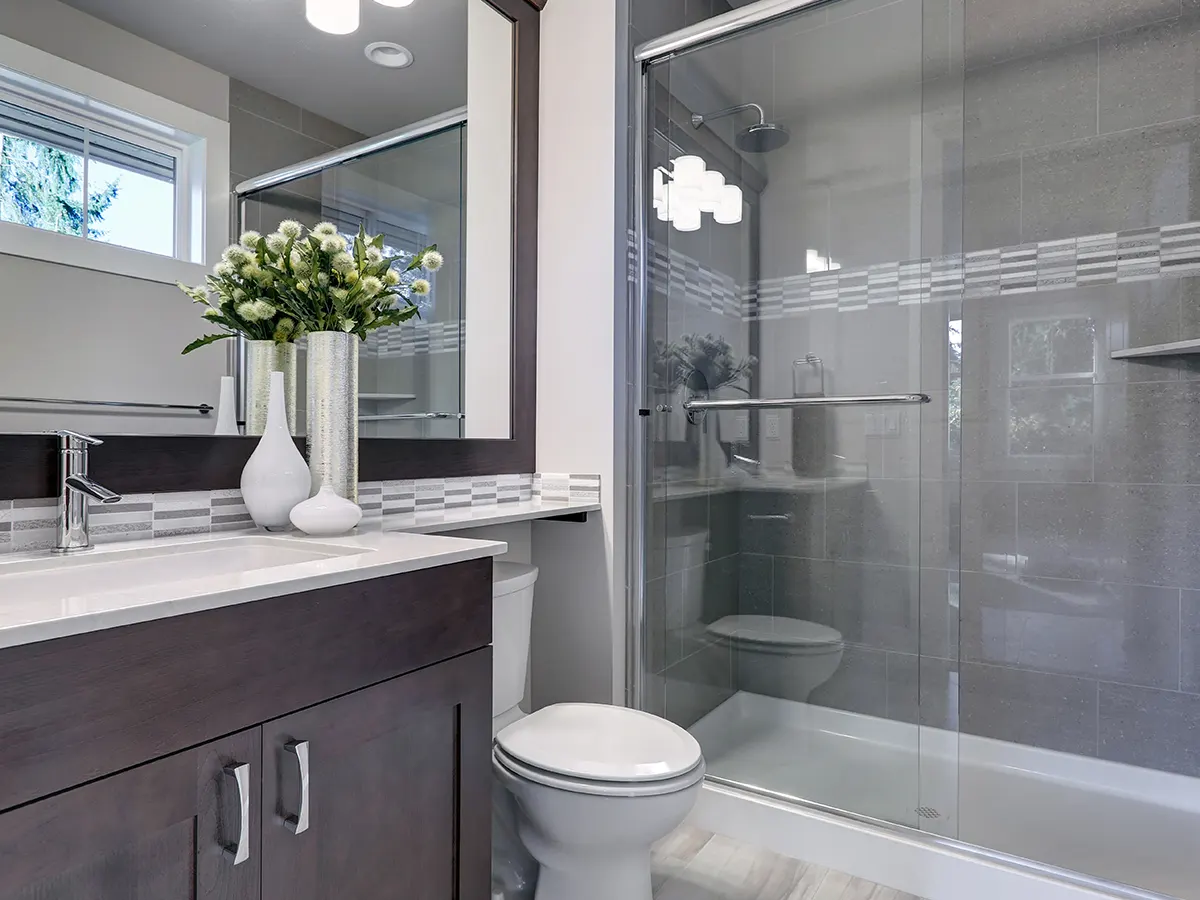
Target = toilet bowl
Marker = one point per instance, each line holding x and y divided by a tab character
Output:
595	787
587	788
778	656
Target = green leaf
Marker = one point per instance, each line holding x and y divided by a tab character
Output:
204	342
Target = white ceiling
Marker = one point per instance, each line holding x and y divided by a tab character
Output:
269	44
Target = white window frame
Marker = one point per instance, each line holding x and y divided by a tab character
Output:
198	142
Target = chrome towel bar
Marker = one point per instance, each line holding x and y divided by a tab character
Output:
793	402
204	409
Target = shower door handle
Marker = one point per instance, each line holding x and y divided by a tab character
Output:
774	517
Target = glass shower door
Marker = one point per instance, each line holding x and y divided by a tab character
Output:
799	593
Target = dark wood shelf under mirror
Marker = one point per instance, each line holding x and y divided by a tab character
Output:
149	463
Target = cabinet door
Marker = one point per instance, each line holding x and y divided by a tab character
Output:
155	832
383	793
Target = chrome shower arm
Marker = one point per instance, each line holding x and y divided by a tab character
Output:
698	119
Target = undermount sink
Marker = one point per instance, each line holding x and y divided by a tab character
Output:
104	570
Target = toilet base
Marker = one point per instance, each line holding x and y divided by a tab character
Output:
627	878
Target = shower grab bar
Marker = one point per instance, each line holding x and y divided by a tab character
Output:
793	402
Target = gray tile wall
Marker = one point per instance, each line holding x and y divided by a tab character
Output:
1080	473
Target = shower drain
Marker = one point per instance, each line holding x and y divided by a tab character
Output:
928	812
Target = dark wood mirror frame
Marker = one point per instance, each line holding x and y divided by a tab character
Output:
139	464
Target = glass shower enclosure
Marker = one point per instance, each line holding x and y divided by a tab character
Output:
803	540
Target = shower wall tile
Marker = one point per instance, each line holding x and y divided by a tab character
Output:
1189	656
1147	174
992	203
755	584
1031	102
1049	711
6	525
859	685
939	597
1001	29
922	689
876	523
989	526
1148	74
1120	633
1149	728
1146	435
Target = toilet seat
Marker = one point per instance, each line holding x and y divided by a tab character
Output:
590	742
533	775
777	634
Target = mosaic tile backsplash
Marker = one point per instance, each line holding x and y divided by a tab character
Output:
29	524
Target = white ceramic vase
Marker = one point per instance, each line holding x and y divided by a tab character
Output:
276	477
326	514
227	408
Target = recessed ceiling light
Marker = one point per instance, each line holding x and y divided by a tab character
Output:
396	4
389	55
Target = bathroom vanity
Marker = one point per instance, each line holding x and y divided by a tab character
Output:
317	728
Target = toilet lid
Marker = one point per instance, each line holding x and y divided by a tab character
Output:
778	631
602	743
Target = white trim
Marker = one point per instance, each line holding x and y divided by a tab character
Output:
206	172
68	250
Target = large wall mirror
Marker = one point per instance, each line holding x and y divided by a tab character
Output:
139	139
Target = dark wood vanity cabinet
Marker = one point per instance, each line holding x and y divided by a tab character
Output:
156	832
379	791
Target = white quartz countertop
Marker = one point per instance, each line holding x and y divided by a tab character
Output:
440	520
44	597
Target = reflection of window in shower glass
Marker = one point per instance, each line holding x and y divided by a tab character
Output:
954	382
1050	401
1052	349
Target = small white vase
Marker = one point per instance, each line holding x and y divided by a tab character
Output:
326	514
227	408
275	478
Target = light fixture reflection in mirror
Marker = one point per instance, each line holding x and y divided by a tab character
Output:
333	16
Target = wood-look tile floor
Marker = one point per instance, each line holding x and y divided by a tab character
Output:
690	864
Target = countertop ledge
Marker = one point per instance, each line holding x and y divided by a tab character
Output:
372	555
457	519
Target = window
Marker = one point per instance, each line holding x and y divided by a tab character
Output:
100	174
63	177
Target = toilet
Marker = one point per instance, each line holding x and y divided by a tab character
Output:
778	656
594	785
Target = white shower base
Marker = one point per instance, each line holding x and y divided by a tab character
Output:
1106	820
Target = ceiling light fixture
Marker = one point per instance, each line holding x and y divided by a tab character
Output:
389	55
333	16
395	4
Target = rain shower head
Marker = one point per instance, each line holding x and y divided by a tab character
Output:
761	137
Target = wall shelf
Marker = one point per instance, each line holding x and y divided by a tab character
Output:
375	396
1176	348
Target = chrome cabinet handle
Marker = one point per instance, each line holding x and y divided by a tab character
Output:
240	851
777	517
298	824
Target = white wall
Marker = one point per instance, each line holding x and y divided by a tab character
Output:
68	33
579	621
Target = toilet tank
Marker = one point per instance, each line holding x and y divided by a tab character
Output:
512	618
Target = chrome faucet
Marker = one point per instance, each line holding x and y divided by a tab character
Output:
74	490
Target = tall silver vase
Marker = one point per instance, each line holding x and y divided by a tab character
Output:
263	358
332	423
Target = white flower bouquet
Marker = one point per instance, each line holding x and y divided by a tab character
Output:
289	283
